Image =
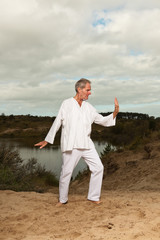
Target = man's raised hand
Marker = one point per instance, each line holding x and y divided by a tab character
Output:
116	110
116	104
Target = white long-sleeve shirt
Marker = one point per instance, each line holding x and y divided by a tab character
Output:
76	124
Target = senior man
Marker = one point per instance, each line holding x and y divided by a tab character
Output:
76	117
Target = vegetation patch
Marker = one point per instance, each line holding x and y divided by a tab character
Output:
19	176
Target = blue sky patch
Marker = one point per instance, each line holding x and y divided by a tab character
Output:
133	52
101	21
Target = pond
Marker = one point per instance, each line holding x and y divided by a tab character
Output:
49	157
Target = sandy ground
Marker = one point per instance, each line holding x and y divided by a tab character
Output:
122	215
130	207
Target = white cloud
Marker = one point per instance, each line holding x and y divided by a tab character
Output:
46	46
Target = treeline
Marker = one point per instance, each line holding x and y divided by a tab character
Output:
131	128
130	115
24	125
23	120
121	115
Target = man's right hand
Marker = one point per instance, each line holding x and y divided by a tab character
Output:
41	144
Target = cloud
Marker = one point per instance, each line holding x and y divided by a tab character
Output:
46	46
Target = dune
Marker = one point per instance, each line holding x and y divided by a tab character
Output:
130	207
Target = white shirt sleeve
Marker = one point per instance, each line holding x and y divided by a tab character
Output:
55	126
105	121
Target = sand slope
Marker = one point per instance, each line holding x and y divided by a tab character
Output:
130	208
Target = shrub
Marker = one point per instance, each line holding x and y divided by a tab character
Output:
106	150
16	175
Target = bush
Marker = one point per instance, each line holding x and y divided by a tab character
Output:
15	175
108	148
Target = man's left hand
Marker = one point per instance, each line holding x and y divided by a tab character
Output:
116	110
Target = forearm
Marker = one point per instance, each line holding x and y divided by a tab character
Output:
52	132
116	111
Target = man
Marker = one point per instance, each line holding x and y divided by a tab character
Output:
76	117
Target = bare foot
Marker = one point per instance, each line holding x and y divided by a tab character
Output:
59	204
95	202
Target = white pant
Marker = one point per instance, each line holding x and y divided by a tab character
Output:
70	160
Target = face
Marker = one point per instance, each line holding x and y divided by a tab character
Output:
85	92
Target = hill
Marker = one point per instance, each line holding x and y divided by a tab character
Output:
130	170
129	210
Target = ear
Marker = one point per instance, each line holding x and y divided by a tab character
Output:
79	90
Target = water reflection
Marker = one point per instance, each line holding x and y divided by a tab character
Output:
49	157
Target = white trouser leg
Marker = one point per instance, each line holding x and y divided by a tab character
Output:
95	165
70	160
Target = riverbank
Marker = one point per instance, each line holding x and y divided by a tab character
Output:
130	205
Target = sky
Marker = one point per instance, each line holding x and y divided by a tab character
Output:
47	45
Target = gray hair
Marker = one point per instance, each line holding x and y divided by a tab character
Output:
81	83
